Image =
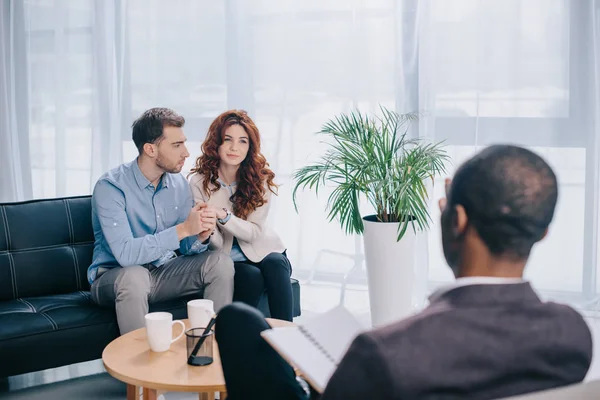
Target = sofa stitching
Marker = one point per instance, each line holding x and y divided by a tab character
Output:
46	309
53	246
71	241
73	327
54	324
62	330
13	274
28	304
77	275
81	326
16	203
69	220
86	295
5	219
6	230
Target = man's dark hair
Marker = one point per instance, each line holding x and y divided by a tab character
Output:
509	194
148	128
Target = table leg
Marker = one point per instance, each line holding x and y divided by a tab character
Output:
222	395
150	394
132	393
206	396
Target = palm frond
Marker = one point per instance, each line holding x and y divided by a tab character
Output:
373	157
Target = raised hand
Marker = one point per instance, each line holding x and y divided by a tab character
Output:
208	217
193	223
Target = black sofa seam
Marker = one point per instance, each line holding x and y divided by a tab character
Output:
77	274
68	210
28	304
86	326
16	203
57	330
76	327
11	261
5	219
71	241
30	311
53	246
54	324
43	314
13	274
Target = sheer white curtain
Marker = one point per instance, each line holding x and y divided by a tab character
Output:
74	74
15	179
523	72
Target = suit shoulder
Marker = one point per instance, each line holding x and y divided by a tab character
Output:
570	317
427	319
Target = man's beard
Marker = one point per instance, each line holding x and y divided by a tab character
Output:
172	169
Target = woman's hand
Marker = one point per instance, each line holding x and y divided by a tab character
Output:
208	219
221	214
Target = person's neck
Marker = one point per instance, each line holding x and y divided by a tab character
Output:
150	170
228	173
480	263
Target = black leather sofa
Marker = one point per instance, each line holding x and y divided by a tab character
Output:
47	317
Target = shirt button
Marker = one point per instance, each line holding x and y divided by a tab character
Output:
176	207
114	224
158	216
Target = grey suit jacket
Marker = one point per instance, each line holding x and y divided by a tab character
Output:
472	342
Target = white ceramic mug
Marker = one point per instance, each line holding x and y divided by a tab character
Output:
200	312
159	330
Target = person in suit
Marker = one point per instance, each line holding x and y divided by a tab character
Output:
233	178
485	336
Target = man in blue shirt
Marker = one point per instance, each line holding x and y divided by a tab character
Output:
151	241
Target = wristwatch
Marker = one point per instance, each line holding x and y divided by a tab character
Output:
224	220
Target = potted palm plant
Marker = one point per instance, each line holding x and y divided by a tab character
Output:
372	158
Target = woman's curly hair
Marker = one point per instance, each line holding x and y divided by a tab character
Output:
253	172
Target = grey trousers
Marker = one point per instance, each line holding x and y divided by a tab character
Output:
131	289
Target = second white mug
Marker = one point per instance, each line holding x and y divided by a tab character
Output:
200	312
159	330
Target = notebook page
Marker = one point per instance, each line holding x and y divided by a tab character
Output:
300	352
334	330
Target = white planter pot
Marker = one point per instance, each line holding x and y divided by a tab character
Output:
390	270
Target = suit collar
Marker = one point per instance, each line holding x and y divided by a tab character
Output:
478	294
473	280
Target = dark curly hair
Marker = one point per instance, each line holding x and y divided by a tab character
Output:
254	170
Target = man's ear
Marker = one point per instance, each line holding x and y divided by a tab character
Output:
461	220
544	234
150	150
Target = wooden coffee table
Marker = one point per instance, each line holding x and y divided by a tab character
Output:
129	359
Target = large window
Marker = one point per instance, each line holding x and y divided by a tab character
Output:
481	72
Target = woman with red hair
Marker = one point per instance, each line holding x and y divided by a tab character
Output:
234	178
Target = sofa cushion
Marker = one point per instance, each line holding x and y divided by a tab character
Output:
45	247
38	315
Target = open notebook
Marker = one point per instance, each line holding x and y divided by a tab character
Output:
317	347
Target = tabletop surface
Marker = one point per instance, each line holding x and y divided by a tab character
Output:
129	359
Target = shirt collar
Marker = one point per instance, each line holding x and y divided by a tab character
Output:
140	179
143	182
166	180
472	280
223	184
